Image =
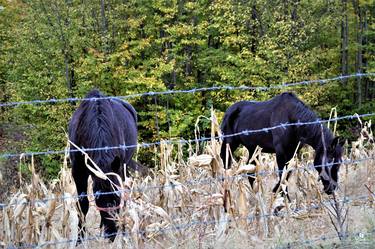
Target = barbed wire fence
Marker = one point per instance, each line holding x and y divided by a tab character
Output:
194	90
190	183
183	141
214	222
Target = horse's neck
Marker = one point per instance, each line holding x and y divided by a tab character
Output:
321	138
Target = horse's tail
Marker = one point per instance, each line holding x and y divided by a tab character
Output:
227	125
228	128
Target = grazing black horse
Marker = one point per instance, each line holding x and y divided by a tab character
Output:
96	124
284	108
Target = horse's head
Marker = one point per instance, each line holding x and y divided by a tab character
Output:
327	163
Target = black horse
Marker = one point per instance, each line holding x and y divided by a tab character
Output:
96	124
284	108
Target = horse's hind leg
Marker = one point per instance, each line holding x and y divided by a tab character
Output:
80	176
251	150
227	159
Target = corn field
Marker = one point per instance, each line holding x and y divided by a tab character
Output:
180	204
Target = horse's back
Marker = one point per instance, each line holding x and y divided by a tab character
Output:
246	112
256	116
116	103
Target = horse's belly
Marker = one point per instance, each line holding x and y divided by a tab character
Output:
268	150
265	142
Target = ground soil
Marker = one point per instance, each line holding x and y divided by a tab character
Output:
10	140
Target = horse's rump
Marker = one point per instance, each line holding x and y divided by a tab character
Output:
104	123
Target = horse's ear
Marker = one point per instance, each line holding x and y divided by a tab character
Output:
115	165
342	142
337	141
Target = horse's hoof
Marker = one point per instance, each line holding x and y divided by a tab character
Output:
277	210
110	236
79	241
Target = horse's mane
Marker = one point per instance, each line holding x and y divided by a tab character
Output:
302	113
96	127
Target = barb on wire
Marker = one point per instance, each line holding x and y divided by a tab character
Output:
194	90
179	227
206	181
183	141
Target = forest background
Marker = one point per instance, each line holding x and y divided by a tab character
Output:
64	48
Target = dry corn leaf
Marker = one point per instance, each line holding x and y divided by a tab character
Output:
221	228
20	207
200	161
95	169
136	225
242	202
160	211
249	168
214	200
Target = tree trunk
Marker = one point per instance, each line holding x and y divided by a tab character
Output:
372	41
367	91
358	60
66	49
344	41
104	25
254	40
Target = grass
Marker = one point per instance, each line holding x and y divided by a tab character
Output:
180	204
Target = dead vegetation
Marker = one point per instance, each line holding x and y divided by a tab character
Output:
180	205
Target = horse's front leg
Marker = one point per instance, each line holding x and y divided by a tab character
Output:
109	205
80	178
108	221
282	162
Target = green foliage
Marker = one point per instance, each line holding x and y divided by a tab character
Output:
58	49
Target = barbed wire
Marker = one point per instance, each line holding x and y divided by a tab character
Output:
183	226
183	141
185	183
193	90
